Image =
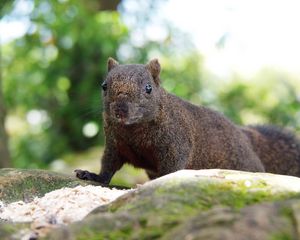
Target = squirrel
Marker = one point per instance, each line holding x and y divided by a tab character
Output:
149	128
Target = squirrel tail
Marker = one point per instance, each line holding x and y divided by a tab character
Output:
278	148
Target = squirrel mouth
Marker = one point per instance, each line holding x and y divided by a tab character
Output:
121	119
125	121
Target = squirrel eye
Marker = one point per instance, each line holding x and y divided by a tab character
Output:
148	88
104	86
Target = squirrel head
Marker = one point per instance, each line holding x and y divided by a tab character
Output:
131	92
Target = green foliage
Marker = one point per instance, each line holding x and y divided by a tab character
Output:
269	98
56	69
182	76
5	6
52	77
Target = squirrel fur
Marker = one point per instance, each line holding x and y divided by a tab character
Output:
149	128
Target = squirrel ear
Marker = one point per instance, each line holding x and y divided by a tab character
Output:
154	68
111	63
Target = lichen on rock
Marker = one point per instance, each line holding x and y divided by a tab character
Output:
196	204
168	204
25	184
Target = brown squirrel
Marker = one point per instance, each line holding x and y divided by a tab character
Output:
151	129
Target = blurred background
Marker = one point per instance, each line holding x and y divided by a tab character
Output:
240	57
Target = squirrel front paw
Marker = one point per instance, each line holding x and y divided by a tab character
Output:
85	175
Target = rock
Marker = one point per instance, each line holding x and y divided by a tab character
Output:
260	221
61	206
188	204
25	184
204	204
15	231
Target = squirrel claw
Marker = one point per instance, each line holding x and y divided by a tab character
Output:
82	174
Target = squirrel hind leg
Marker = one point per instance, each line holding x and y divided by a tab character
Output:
151	175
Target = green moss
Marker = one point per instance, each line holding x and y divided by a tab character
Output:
21	184
203	196
8	229
158	207
104	227
134	231
281	236
158	210
287	212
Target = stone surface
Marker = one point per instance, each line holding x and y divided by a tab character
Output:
14	231
24	184
61	206
207	204
189	204
260	221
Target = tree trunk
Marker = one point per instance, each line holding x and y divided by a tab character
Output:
4	152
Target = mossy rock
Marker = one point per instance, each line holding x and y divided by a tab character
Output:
14	231
265	221
165	207
25	184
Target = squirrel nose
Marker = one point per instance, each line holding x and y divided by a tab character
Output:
121	110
